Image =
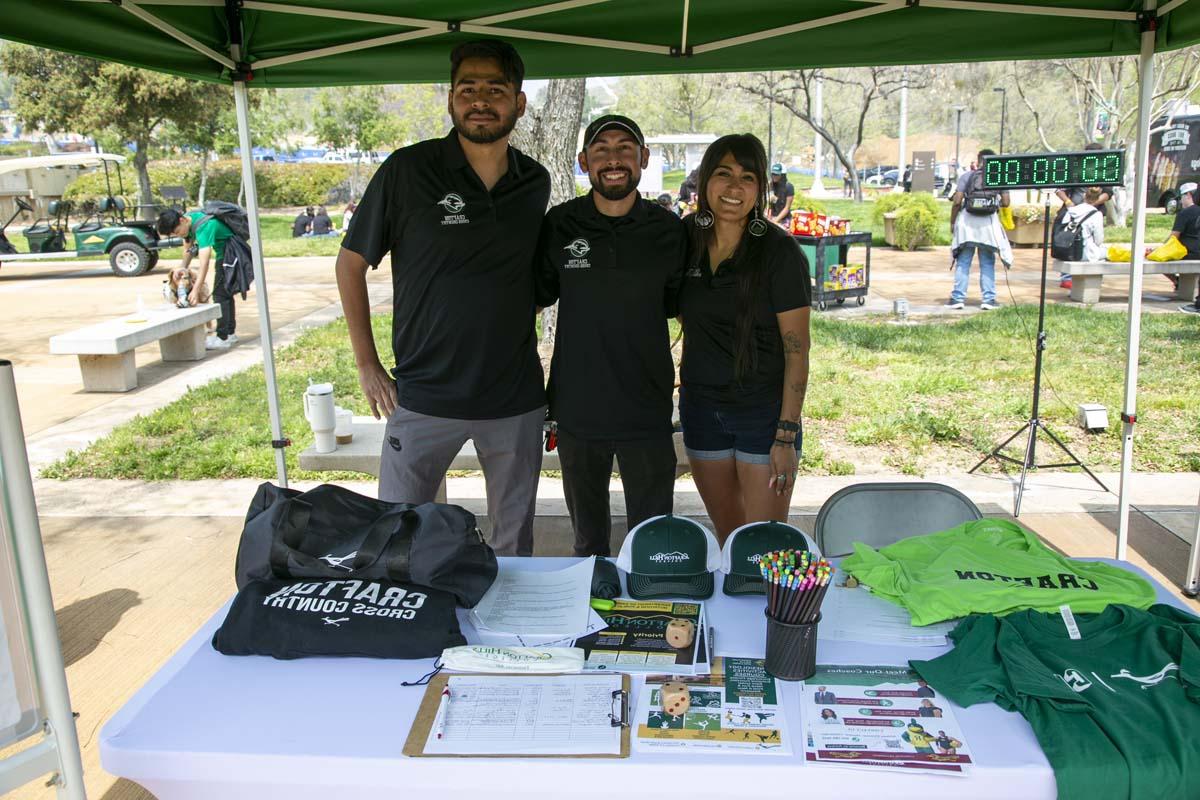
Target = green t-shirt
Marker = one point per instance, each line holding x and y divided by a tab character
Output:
1117	711
212	233
989	566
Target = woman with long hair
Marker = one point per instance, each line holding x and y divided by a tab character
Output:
744	305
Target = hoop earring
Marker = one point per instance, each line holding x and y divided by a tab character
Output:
705	219
757	226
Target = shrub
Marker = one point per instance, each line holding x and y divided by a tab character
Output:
915	226
279	185
887	203
803	201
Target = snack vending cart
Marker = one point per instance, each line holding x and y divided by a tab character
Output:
833	258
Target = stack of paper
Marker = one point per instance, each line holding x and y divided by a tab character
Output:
880	717
733	710
537	609
634	639
856	615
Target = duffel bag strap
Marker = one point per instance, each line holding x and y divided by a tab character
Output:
386	535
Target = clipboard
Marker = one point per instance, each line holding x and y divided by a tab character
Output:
418	734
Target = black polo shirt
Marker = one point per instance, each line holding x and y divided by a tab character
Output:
782	194
709	306
616	280
462	278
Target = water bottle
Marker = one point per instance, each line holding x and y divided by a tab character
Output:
181	294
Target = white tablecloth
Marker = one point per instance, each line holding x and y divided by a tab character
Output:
209	726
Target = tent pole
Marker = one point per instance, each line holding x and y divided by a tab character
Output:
241	101
1142	165
18	501
1191	584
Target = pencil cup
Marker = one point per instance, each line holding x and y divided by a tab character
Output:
791	649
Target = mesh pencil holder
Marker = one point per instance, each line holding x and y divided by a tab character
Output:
791	649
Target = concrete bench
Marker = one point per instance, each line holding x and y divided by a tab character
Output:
1086	276
105	349
363	454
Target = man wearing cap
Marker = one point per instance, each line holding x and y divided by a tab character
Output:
460	217
613	262
782	193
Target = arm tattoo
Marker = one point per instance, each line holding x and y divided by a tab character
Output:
794	343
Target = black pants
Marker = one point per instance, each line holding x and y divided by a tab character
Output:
647	469
221	296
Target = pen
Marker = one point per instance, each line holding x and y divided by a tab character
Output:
439	723
712	643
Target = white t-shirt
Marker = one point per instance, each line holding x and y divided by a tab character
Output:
1093	230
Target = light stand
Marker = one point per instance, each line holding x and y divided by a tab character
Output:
1035	423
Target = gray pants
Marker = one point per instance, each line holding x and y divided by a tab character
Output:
418	449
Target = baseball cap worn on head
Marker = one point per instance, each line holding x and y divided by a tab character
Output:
745	546
612	122
777	169
669	556
1187	187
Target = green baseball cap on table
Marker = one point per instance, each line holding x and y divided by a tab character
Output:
669	556
744	549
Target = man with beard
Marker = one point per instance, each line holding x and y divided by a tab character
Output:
613	262
460	217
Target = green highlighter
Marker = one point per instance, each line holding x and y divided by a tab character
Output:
601	604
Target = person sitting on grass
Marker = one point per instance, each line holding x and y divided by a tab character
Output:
322	225
302	224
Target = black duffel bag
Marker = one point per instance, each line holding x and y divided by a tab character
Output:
331	532
338	617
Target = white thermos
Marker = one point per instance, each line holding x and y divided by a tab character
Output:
319	411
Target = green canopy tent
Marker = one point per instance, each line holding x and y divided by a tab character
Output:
290	43
293	43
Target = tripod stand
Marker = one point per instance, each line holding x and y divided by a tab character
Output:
1035	424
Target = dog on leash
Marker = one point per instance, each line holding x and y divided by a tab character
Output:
188	279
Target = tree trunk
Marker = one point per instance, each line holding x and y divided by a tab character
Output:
201	195
141	161
550	135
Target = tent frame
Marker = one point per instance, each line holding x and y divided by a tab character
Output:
242	72
1148	20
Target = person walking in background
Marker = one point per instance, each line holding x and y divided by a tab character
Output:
782	194
460	217
302	224
348	215
975	225
612	376
745	311
1073	197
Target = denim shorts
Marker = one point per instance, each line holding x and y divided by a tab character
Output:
713	431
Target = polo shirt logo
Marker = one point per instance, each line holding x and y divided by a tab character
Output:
579	248
454	204
694	272
674	557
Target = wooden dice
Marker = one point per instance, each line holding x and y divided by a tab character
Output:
680	633
675	699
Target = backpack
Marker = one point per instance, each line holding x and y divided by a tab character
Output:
978	200
239	267
233	215
237	261
1066	241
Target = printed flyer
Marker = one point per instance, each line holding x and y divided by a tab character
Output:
734	710
880	717
635	639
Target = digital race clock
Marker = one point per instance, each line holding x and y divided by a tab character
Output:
1054	170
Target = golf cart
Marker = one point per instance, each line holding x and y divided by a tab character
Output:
132	245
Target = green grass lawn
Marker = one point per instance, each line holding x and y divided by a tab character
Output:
913	399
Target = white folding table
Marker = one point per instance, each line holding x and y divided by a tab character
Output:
211	726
